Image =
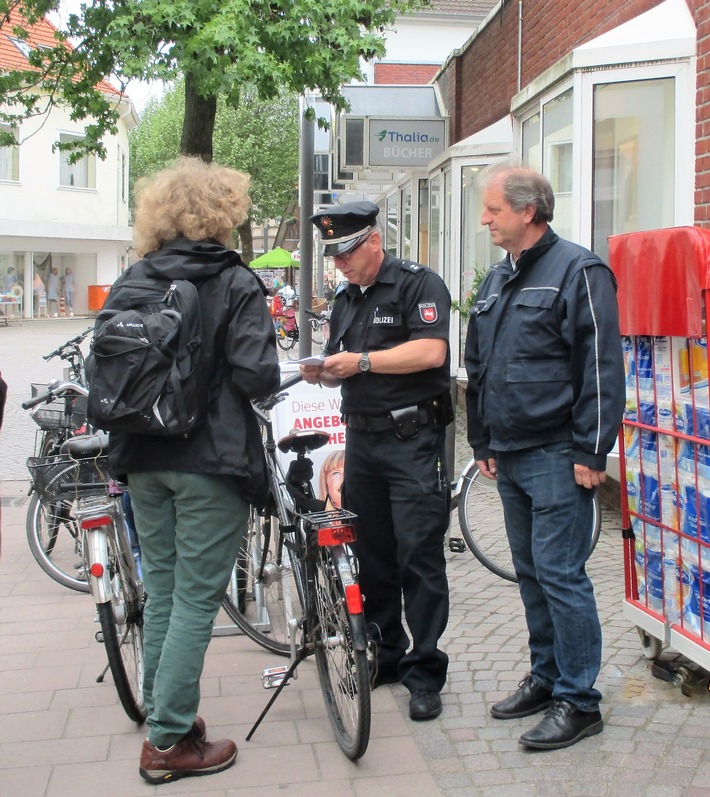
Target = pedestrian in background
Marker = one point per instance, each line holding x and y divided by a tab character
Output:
68	289
545	399
389	351
53	292
191	496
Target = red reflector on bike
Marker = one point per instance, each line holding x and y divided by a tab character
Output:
95	522
353	599
336	535
96	570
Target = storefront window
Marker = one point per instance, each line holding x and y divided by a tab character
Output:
477	251
633	159
392	223
407	222
557	160
531	142
423	254
434	221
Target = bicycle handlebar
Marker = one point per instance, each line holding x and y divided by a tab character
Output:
70	344
55	390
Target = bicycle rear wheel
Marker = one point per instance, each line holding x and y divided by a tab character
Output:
316	332
483	525
340	651
54	540
122	629
262	596
286	341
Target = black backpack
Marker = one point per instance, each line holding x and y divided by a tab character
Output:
147	375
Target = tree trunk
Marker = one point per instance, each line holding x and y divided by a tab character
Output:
247	249
198	124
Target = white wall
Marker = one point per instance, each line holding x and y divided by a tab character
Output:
38	197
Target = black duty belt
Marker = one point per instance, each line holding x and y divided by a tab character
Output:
378	423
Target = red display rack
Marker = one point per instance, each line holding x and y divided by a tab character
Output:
664	445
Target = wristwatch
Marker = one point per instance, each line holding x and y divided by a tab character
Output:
364	361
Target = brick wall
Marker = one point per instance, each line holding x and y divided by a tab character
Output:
701	13
481	81
405	74
478	85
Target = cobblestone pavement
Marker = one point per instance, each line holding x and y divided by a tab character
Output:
63	734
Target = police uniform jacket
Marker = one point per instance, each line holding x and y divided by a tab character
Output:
238	338
407	301
543	355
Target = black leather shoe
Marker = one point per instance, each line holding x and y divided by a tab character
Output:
424	705
529	699
562	726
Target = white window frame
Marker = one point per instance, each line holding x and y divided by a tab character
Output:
15	155
62	154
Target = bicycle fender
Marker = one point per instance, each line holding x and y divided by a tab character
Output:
347	577
96	552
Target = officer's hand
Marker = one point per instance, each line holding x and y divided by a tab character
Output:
586	477
342	365
311	373
488	467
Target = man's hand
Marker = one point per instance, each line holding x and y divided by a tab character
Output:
342	365
488	467
311	373
586	477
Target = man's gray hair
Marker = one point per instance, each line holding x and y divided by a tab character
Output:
522	186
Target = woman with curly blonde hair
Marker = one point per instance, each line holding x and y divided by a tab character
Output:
191	495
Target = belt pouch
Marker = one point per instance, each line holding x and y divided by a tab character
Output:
405	422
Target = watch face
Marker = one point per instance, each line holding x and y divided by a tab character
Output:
364	363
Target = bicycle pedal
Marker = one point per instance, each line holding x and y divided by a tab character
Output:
457	545
273	677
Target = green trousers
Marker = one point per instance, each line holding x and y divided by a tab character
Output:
190	528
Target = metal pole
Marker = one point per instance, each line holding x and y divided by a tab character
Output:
306	165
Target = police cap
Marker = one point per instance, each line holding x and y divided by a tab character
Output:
343	226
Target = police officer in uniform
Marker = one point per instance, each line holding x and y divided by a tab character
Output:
389	351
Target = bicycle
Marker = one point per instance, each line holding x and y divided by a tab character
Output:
52	532
480	514
294	589
58	425
78	480
320	326
287	330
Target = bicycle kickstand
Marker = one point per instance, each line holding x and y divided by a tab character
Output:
300	656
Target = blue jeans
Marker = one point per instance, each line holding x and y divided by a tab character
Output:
548	518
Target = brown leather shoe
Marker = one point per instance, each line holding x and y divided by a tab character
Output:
198	730
189	757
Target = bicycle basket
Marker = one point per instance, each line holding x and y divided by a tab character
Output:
63	477
51	416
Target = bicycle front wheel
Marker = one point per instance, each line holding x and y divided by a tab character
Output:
340	652
53	537
483	525
262	596
122	629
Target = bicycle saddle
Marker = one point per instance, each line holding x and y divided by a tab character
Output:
301	441
85	445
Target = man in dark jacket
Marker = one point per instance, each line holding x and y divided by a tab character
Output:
545	400
191	495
